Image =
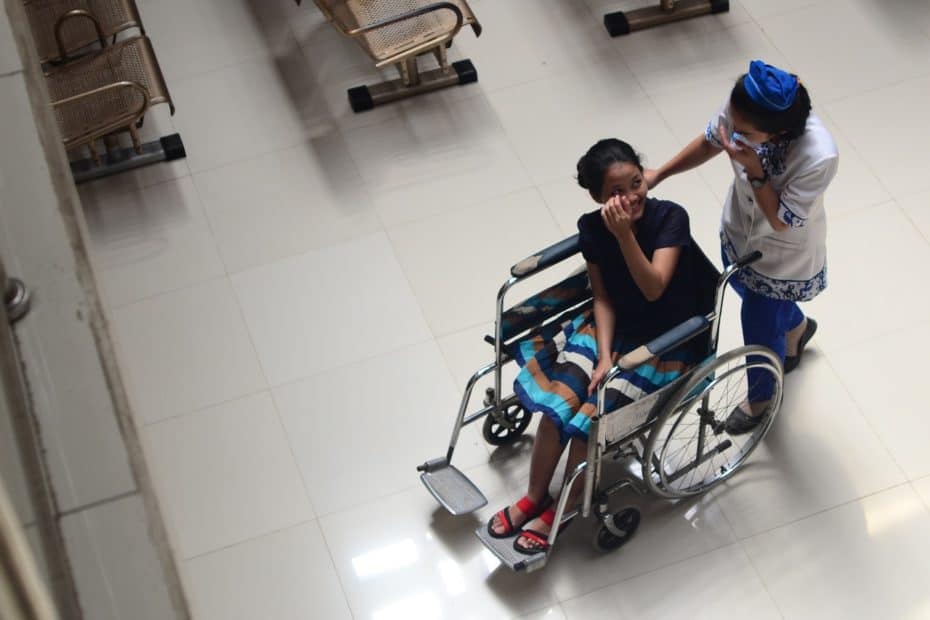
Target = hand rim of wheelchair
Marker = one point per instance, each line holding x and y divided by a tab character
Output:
627	520
499	433
678	406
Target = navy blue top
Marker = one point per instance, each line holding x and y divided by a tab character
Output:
663	224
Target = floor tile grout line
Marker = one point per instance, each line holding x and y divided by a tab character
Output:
246	540
891	332
866	419
97	503
823	511
650	571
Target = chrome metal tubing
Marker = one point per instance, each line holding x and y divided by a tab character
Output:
499	338
563	499
718	304
466	397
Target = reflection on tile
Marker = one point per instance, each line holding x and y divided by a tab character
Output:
886	379
239	112
867	559
423	560
329	307
185	350
889	142
477	247
191	39
917	208
284	575
577	109
805	464
285	203
867	248
436	157
720	584
226	474
554	37
150	241
668	533
553	612
922	486
115	565
872	51
398	433
667	61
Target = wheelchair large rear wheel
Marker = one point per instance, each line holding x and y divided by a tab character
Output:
507	427
689	449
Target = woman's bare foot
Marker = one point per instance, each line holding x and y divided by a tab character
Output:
517	518
511	519
533	537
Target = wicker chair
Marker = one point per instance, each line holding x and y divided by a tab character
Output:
63	27
107	92
396	32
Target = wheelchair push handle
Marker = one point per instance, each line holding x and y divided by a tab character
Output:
747	259
546	257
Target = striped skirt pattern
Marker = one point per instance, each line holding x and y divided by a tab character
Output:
556	367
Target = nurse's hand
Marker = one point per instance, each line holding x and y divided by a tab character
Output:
616	216
741	154
651	176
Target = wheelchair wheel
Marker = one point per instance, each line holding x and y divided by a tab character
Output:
505	431
689	449
622	526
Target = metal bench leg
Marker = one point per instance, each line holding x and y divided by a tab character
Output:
412	82
619	22
167	148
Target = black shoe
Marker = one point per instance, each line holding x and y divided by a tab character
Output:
792	361
739	422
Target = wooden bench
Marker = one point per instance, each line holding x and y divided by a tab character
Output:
397	32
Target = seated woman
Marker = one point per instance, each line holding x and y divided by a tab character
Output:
636	250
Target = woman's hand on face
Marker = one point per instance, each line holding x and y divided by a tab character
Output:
616	216
600	371
741	154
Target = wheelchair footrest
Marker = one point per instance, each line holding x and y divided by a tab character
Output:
453	490
503	549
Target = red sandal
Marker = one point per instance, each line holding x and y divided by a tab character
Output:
542	540
527	506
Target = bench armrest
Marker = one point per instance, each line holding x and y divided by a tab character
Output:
674	337
546	258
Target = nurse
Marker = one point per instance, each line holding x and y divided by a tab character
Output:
783	159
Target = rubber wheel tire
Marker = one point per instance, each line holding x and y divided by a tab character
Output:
626	520
498	434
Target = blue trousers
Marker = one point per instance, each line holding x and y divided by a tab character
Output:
765	321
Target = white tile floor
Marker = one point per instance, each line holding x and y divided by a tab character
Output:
298	303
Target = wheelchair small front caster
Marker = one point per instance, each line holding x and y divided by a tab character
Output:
504	433
617	529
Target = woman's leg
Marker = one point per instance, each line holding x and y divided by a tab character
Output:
766	322
543	524
547	448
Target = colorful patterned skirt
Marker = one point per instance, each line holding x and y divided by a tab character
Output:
556	367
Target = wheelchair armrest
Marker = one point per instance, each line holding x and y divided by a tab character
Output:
674	337
547	257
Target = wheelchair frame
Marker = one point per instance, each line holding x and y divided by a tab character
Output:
458	495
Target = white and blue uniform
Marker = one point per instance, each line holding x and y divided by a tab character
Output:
794	264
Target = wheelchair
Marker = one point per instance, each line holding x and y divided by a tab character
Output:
674	438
